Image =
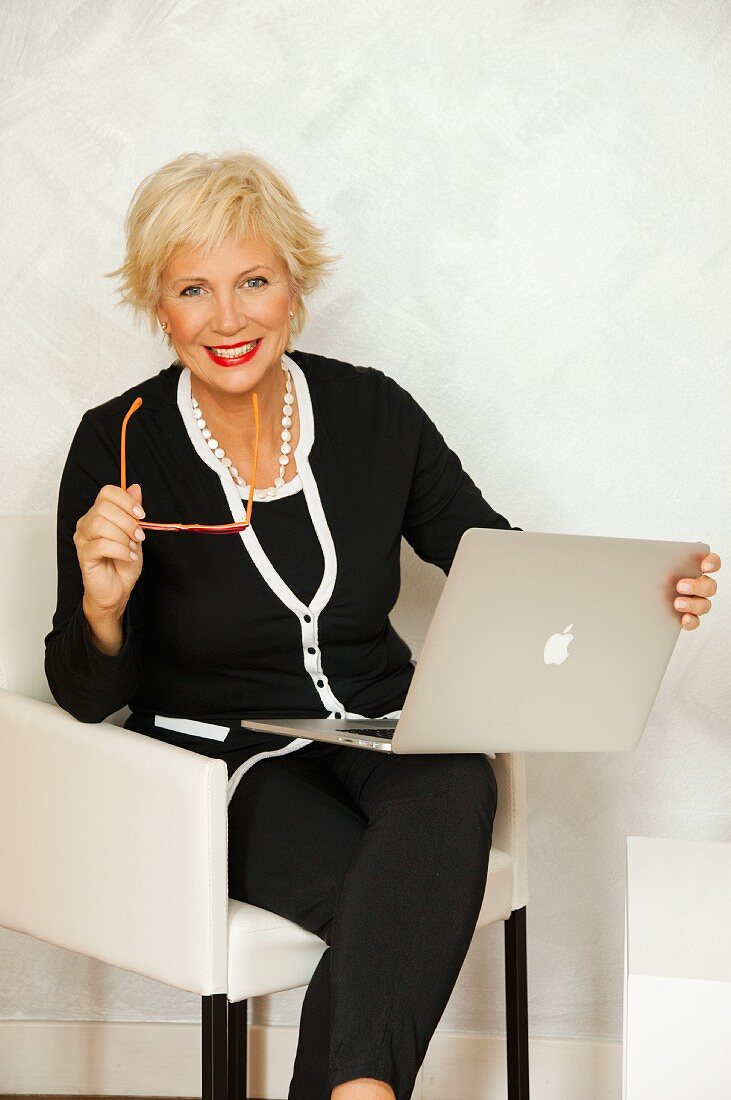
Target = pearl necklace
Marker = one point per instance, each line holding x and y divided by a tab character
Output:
285	449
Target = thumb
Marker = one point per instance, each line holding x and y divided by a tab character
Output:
136	491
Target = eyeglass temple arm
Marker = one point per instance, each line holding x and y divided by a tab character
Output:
123	449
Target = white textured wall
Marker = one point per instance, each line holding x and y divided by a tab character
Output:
532	202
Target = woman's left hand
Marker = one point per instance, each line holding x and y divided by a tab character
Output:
692	601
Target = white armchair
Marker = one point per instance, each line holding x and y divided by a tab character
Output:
114	845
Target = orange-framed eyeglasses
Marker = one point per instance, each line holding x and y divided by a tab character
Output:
210	529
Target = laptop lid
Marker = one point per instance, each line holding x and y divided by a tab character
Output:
546	642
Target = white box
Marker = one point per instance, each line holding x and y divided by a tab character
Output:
677	981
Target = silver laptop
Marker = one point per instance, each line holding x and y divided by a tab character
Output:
540	642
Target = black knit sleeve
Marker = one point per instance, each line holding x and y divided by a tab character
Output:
444	501
87	683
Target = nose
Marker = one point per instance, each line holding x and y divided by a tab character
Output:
228	315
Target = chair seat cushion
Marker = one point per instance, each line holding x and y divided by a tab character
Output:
268	953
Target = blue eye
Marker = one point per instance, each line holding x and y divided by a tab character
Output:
253	279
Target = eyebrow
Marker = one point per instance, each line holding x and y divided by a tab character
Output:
202	278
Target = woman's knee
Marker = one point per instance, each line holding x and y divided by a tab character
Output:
474	781
462	785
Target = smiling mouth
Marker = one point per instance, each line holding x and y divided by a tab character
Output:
233	351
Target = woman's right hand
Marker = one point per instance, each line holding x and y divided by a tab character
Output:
105	540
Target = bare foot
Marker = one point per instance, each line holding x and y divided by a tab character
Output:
363	1088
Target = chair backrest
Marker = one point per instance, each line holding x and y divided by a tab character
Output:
27	601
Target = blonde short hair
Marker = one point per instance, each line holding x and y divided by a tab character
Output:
199	200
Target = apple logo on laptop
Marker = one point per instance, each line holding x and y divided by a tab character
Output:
557	647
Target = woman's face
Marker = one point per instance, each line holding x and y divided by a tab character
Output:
238	294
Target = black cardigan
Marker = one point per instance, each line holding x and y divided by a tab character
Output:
290	618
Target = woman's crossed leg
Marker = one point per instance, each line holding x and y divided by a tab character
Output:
385	858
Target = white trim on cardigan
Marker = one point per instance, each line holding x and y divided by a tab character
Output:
309	630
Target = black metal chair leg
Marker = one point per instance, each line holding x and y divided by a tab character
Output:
215	1050
516	1005
238	1028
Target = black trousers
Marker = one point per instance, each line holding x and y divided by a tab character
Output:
384	857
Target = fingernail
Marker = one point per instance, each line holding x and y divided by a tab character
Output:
139	534
138	511
684	586
681	604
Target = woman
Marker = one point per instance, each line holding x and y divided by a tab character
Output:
287	616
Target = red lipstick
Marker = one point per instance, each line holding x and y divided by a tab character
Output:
229	361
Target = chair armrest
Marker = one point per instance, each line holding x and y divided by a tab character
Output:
509	831
114	845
